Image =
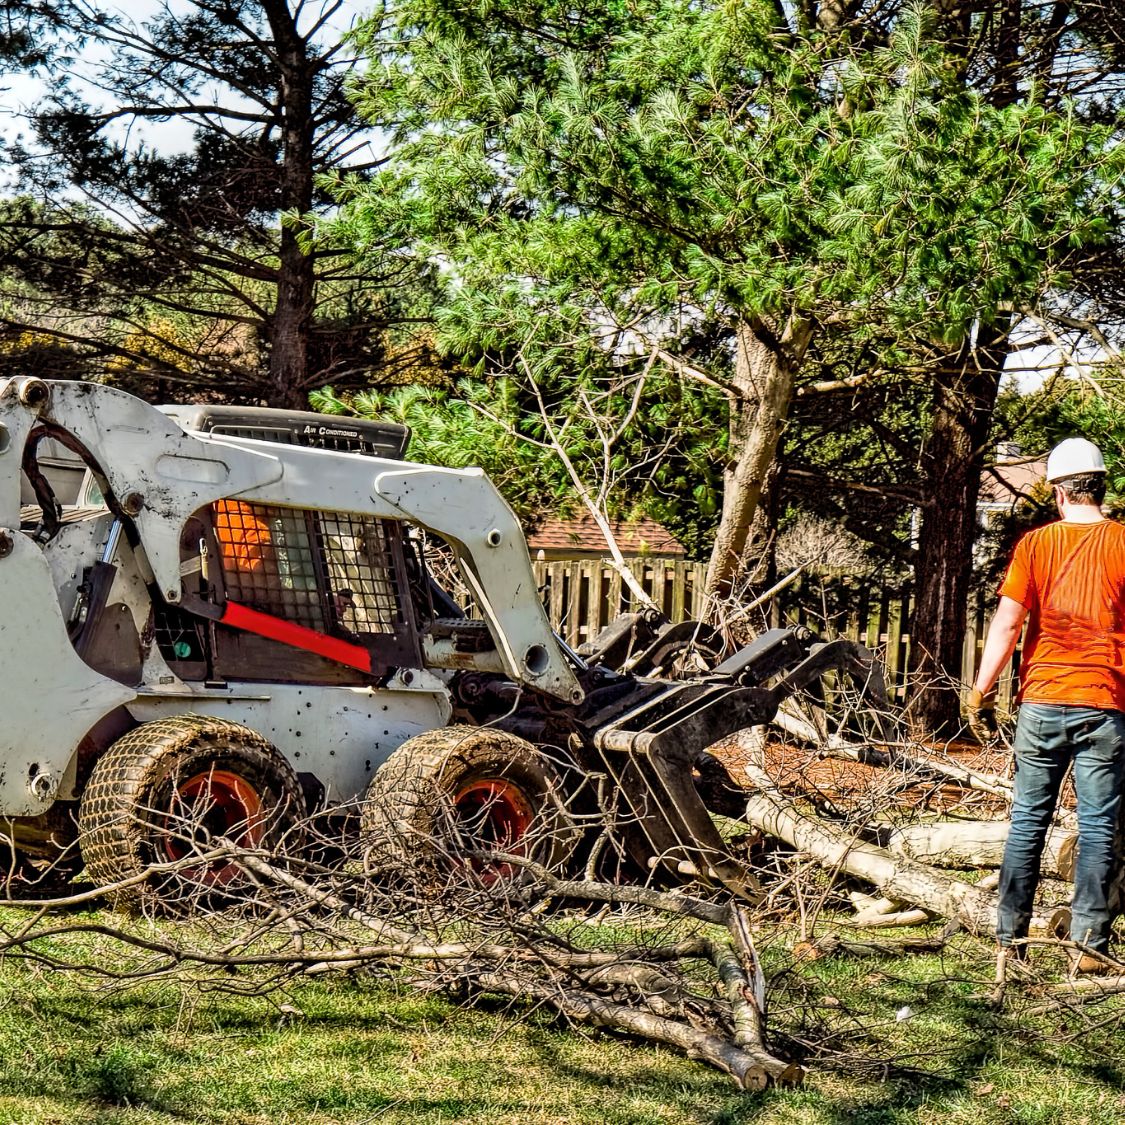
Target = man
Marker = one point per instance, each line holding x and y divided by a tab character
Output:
343	603
1068	580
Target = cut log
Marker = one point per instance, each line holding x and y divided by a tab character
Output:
837	849
875	920
977	843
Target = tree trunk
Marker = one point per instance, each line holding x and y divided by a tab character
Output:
760	553
964	396
978	843
765	368
290	327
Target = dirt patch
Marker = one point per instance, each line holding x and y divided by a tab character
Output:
805	771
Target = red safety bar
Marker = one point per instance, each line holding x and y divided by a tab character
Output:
278	629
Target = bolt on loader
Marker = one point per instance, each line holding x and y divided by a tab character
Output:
224	617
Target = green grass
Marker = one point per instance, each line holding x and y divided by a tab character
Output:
361	1051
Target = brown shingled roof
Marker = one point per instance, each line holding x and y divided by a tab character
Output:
634	537
1006	481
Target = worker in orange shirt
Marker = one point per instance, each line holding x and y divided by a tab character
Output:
244	537
1068	580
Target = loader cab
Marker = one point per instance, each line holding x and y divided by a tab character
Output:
301	595
285	594
269	593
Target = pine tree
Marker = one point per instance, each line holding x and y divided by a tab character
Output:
640	176
174	170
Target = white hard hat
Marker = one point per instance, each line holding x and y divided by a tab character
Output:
1073	456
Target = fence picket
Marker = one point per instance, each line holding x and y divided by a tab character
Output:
614	606
556	606
574	606
679	585
594	609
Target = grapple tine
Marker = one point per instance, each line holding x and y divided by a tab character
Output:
650	753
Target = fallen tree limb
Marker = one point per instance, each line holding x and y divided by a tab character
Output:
740	930
529	973
410	943
748	1016
924	768
718	914
751	1068
1090	987
93	894
836	849
977	843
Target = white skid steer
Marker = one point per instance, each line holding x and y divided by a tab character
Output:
215	620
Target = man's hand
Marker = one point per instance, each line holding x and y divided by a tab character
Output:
980	714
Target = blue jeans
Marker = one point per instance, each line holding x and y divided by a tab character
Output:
1048	738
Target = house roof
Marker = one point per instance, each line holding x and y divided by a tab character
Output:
1007	481
634	537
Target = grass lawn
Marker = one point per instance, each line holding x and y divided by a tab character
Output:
903	1040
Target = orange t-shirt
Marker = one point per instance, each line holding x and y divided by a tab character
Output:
243	536
1071	579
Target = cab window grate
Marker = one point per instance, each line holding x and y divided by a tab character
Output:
329	571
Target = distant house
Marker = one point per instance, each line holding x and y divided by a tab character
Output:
1008	481
581	539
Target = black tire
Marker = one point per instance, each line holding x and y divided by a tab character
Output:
165	789
462	791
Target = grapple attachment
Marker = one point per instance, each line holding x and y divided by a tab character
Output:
651	751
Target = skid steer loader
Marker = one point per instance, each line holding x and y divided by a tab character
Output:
223	617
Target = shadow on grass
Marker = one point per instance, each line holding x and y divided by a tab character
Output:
91	1076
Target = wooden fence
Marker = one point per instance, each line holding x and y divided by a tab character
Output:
582	597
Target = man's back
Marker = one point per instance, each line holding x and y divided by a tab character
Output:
1070	576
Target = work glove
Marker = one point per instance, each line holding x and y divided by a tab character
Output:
980	714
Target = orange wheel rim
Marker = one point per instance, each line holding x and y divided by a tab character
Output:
209	805
497	814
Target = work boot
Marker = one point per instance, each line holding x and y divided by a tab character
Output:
1094	964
